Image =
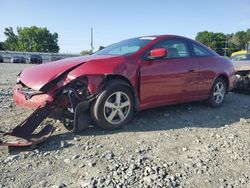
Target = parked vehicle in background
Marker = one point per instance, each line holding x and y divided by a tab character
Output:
241	57
242	68
235	54
34	59
1	59
54	58
241	53
17	59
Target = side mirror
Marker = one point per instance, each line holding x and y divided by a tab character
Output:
157	53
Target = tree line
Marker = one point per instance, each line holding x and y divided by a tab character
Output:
224	44
30	39
37	39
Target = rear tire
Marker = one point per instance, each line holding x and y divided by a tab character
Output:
114	107
217	93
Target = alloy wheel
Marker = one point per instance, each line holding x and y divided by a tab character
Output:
219	92
117	107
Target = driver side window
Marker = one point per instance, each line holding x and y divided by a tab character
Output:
176	48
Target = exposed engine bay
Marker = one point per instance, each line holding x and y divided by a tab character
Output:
70	105
242	71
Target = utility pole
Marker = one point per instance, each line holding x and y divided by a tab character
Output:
226	46
91	40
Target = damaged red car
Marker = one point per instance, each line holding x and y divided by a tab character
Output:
109	86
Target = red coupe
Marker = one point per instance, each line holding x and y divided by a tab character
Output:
109	86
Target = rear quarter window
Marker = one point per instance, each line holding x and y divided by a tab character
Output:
200	51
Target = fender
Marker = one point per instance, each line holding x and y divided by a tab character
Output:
97	71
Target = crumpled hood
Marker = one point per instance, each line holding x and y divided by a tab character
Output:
37	76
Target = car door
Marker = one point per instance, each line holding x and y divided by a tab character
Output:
172	79
207	68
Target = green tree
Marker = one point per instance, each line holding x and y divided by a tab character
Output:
219	41
215	41
231	47
33	39
240	39
1	46
248	35
12	40
86	52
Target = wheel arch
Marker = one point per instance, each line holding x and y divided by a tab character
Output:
117	78
225	78
111	77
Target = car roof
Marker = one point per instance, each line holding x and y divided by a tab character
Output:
165	36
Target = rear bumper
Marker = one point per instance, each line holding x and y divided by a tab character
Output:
33	102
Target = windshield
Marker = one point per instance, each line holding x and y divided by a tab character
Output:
125	47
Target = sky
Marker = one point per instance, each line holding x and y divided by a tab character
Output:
115	20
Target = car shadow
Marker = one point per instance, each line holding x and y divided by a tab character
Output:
194	114
189	115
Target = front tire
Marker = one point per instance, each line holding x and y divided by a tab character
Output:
217	93
114	107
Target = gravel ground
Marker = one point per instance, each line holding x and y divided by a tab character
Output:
189	145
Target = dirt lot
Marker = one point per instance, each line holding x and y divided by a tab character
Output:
189	145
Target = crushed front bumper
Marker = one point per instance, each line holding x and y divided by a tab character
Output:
22	135
45	105
29	98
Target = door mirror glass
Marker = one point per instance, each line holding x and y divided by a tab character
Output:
157	53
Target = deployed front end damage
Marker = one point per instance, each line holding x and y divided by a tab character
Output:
242	71
72	102
23	133
62	90
243	80
66	99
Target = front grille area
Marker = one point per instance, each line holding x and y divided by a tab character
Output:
28	92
